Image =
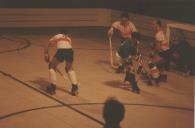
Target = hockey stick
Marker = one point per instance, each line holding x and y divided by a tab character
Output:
111	55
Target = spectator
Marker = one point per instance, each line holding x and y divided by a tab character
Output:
113	113
183	54
161	43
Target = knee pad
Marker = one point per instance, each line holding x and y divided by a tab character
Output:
67	69
50	66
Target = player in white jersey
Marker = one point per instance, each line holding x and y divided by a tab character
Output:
64	53
125	27
161	43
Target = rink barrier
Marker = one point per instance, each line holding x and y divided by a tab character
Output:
16	18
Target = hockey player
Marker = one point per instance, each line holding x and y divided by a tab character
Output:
162	44
126	52
125	27
155	74
64	53
126	49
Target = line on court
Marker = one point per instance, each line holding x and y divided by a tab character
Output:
83	104
52	98
70	106
29	110
145	105
26	41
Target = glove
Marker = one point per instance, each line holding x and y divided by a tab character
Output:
47	58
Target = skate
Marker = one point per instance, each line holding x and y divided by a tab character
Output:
51	89
74	90
136	91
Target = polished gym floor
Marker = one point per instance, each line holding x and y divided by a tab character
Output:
25	103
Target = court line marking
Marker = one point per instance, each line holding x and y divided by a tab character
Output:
28	110
26	42
145	105
55	99
89	104
62	104
52	98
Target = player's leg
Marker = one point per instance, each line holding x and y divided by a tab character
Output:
132	80
52	75
73	78
70	71
166	56
149	79
134	84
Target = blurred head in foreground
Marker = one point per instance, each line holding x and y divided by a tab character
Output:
113	113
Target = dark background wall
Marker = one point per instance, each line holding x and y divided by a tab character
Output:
180	10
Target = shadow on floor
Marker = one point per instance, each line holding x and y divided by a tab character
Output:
63	90
42	83
118	84
105	64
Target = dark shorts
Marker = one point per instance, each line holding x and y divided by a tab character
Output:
64	54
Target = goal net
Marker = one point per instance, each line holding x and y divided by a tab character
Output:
177	31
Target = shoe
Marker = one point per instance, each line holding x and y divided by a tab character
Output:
51	89
74	90
136	91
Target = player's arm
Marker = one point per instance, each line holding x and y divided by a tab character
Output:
46	48
111	30
69	39
46	51
133	28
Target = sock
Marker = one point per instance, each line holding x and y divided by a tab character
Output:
72	77
52	76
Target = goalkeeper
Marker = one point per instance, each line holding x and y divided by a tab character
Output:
128	48
125	27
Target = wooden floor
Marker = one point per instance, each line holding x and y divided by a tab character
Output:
24	77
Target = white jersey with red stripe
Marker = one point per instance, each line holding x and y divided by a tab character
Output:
125	30
61	41
154	72
161	37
